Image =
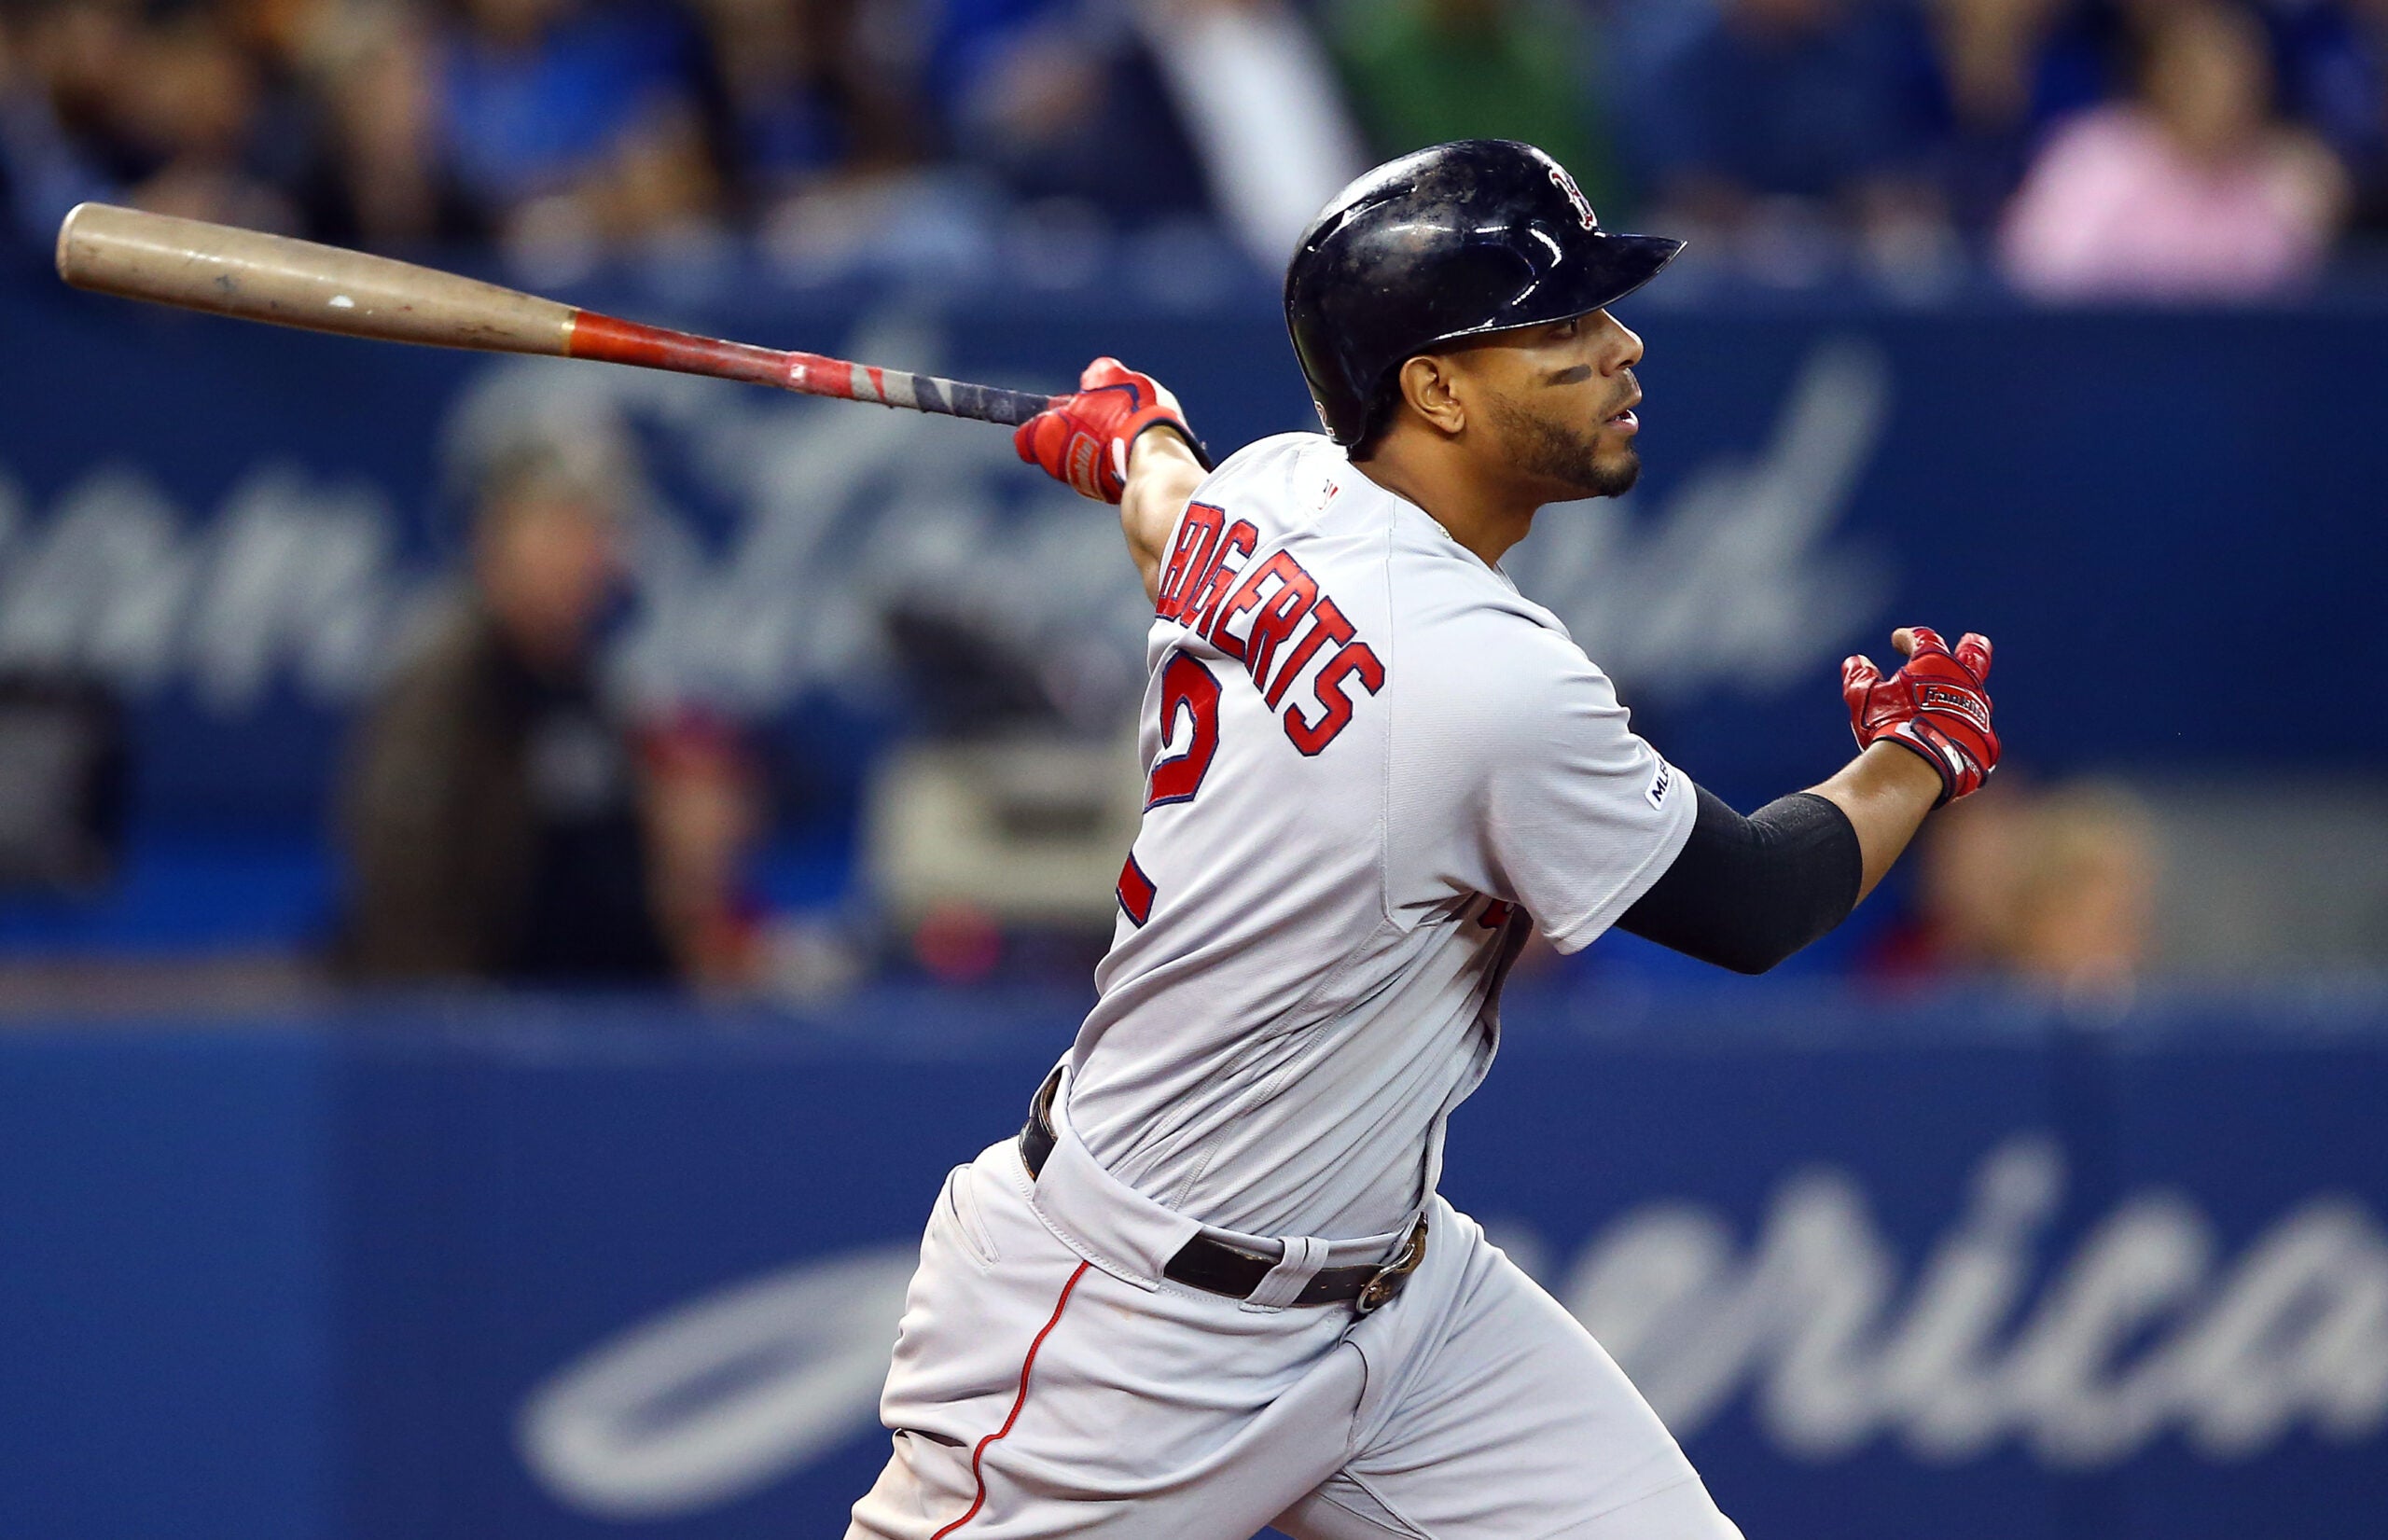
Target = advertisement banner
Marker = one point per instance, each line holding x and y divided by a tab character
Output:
1975	1268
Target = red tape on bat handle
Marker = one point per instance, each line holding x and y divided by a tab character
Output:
619	341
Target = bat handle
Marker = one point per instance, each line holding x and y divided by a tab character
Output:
814	375
1010	408
615	340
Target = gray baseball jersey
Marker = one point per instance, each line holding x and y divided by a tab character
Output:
1370	760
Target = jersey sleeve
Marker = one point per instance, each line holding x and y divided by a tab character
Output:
1527	781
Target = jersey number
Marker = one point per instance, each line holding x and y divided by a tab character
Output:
1189	689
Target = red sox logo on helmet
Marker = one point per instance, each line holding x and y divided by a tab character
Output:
1566	184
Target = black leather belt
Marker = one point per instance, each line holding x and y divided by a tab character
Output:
1219	1267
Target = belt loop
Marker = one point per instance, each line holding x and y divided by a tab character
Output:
1036	1136
1304	1256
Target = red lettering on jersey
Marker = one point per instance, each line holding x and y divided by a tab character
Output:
1356	660
1327	624
1277	618
1201	610
1290	578
1198	536
1135	890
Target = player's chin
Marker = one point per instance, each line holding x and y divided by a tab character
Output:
1610	472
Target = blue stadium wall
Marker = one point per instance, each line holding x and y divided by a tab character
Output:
1970	1266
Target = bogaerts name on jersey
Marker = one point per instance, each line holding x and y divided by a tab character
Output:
1211	585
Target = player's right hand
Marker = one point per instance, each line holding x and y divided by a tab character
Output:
1083	439
1934	705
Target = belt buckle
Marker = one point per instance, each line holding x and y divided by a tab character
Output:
1386	1281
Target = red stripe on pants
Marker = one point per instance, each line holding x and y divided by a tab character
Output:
1018	1401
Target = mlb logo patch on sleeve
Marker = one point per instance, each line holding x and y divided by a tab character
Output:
1655	792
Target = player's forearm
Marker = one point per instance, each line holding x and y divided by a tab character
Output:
1745	894
1884	792
1162	474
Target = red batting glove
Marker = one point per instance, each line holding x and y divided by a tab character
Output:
1935	707
1083	439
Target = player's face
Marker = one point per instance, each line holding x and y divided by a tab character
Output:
1562	396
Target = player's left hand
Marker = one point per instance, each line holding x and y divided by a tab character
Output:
1083	439
1934	705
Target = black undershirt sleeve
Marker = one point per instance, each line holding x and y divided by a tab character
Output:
1748	893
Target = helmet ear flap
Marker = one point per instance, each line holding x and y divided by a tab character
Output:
1383	404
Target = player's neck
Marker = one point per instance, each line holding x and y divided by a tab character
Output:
1487	519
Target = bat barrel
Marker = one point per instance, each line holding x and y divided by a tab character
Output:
254	276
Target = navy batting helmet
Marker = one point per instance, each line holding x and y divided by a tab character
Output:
1475	236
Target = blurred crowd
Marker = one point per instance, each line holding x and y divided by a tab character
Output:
2156	148
499	819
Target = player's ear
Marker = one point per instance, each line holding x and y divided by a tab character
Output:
1428	384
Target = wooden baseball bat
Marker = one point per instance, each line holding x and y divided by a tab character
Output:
290	283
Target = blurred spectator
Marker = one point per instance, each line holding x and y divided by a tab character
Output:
703	818
2011	69
191	111
2193	189
807	93
1782	126
59	70
1062	103
380	180
573	126
2055	885
2085	898
65	770
493	810
1263	110
1967	879
1427	71
167	114
2333	58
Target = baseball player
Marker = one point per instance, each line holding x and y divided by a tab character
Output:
1210	1285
